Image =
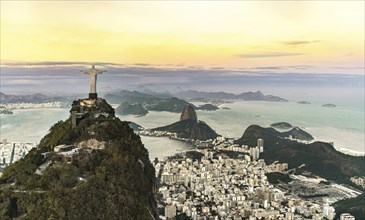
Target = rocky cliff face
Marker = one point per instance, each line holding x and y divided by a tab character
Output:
189	126
189	113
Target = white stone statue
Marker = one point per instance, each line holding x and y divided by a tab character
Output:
92	73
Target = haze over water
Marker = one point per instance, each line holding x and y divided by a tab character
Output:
343	125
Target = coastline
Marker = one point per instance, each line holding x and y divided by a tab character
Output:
349	139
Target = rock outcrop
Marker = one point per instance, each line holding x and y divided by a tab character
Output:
329	105
299	134
189	113
189	127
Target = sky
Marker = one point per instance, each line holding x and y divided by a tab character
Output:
182	41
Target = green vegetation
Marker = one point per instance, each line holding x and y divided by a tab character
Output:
171	105
272	138
190	129
319	158
354	206
277	177
207	107
316	159
115	183
134	109
154	102
281	125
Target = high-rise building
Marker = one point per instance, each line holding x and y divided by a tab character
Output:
260	142
346	216
170	211
260	145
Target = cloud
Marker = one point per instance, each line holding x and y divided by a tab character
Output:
298	42
268	54
24	82
348	67
68	79
52	63
296	67
142	64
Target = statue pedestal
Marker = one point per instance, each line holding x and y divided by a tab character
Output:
93	95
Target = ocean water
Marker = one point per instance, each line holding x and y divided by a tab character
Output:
342	125
161	147
29	125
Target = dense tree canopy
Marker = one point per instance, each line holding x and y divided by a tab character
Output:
115	183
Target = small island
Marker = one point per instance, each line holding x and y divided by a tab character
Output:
127	109
281	125
207	107
5	112
304	102
329	105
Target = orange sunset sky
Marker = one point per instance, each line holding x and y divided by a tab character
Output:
236	34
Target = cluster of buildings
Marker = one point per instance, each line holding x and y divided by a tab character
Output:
346	216
24	105
13	151
360	181
220	187
157	133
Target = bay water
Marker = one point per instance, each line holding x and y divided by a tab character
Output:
343	125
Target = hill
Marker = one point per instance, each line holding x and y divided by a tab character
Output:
318	158
34	98
190	129
281	125
354	206
171	105
131	109
96	182
152	101
246	96
189	126
273	138
207	107
130	97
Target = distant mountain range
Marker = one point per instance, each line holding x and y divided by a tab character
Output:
155	102
246	96
34	98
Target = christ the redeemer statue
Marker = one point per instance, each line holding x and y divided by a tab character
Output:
93	75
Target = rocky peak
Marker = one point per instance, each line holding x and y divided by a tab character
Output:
189	113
